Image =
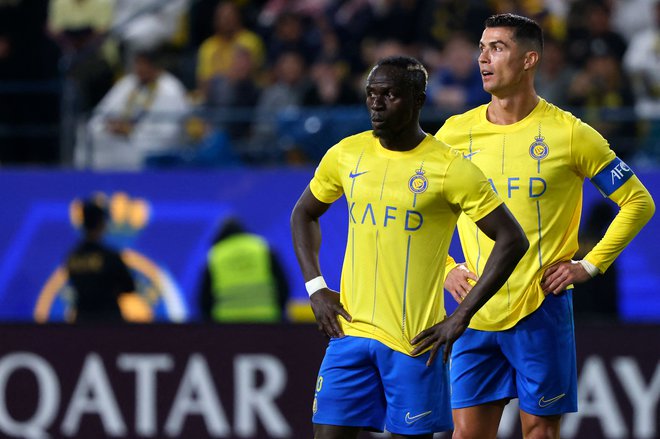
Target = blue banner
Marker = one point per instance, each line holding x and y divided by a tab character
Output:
164	222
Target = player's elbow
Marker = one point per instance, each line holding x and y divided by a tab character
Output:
518	245
648	209
523	246
639	206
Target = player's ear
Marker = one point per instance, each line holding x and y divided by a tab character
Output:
531	59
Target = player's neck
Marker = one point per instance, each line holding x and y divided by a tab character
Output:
404	141
511	109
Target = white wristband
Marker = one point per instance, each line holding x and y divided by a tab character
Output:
315	284
589	267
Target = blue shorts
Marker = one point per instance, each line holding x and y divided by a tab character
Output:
363	383
533	361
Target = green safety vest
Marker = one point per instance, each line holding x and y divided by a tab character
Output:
242	281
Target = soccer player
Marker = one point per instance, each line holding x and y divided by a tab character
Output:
405	190
536	156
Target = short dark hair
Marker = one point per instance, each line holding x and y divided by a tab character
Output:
415	73
524	29
93	215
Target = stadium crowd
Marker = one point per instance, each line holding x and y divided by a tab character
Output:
220	83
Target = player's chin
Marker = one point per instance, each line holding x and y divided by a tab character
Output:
381	132
488	84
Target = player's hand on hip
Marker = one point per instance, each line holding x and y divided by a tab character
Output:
443	333
326	307
459	282
562	274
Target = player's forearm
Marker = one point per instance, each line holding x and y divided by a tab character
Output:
506	254
637	208
306	233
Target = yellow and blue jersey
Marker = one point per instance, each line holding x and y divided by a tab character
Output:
402	211
537	166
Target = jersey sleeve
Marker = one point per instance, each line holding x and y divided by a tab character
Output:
590	152
326	184
444	132
636	209
467	188
614	179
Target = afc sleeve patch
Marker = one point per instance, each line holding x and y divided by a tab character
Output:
612	177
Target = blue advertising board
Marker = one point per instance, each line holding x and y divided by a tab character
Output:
164	222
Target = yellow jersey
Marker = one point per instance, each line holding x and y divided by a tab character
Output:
537	166
402	211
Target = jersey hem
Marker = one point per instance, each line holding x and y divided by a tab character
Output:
495	326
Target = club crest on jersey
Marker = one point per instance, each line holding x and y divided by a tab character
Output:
418	183
539	149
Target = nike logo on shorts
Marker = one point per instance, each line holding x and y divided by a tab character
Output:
469	155
412	419
356	174
546	402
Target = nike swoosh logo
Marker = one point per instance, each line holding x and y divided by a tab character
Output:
546	402
356	174
413	419
469	155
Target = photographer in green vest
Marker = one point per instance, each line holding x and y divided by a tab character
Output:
244	281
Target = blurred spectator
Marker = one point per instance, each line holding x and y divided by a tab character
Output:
642	63
244	280
79	27
596	38
606	98
101	280
200	17
331	45
555	75
630	17
145	25
598	298
141	114
272	10
69	18
456	84
284	93
216	54
330	87
291	34
440	19
232	97
397	20
351	21
550	15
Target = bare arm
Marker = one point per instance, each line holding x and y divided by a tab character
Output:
510	246
306	233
